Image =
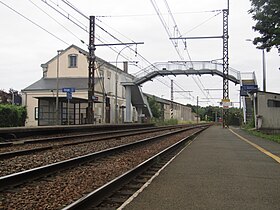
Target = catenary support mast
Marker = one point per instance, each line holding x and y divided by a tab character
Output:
91	62
225	65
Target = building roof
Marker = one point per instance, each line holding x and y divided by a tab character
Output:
50	84
268	93
163	100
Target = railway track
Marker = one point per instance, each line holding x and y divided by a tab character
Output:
21	144
16	161
15	133
97	168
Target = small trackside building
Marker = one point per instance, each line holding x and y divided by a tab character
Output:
267	107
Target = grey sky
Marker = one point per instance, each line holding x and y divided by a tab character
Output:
24	47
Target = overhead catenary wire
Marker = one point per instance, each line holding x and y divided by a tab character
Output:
154	3
67	13
153	14
98	19
104	30
34	23
55	20
202	23
68	17
114	37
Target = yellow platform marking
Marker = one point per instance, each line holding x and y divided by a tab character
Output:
275	157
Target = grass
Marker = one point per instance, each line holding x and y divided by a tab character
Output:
271	137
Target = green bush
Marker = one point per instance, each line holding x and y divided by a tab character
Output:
249	125
159	122
12	115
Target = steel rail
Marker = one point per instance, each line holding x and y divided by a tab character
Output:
97	196
31	174
19	132
61	138
118	134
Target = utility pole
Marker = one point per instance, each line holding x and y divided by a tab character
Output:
172	98
197	109
91	62
264	70
91	59
225	64
57	89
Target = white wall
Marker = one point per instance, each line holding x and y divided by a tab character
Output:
270	115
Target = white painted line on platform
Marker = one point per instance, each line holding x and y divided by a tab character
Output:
275	157
130	199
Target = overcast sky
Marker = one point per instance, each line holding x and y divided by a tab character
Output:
24	46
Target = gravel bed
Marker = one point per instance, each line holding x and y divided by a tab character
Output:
19	145
63	188
45	136
25	162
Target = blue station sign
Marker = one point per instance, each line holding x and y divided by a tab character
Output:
245	89
68	90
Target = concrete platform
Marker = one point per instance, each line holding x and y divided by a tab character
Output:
218	170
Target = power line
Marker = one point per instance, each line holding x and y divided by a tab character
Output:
67	16
55	20
152	14
66	12
197	26
74	8
104	30
98	19
114	37
36	24
176	29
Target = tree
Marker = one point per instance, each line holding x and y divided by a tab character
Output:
267	15
155	107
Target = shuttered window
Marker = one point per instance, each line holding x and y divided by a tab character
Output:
73	61
273	103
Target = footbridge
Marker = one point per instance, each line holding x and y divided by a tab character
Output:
185	68
134	95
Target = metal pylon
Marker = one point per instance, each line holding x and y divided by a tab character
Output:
91	61
225	65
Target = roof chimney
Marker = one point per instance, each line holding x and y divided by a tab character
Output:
125	66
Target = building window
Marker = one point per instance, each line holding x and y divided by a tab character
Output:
273	103
36	113
108	75
73	61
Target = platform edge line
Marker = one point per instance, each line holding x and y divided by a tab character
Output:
275	157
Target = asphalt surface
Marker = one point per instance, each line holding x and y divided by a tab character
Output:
216	171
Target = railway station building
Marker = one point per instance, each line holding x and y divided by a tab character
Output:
64	87
68	71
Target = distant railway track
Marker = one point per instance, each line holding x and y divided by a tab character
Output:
28	146
15	133
19	160
76	174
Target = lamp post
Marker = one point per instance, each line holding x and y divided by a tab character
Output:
116	86
263	66
57	87
264	71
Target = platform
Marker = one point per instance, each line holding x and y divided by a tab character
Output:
218	170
